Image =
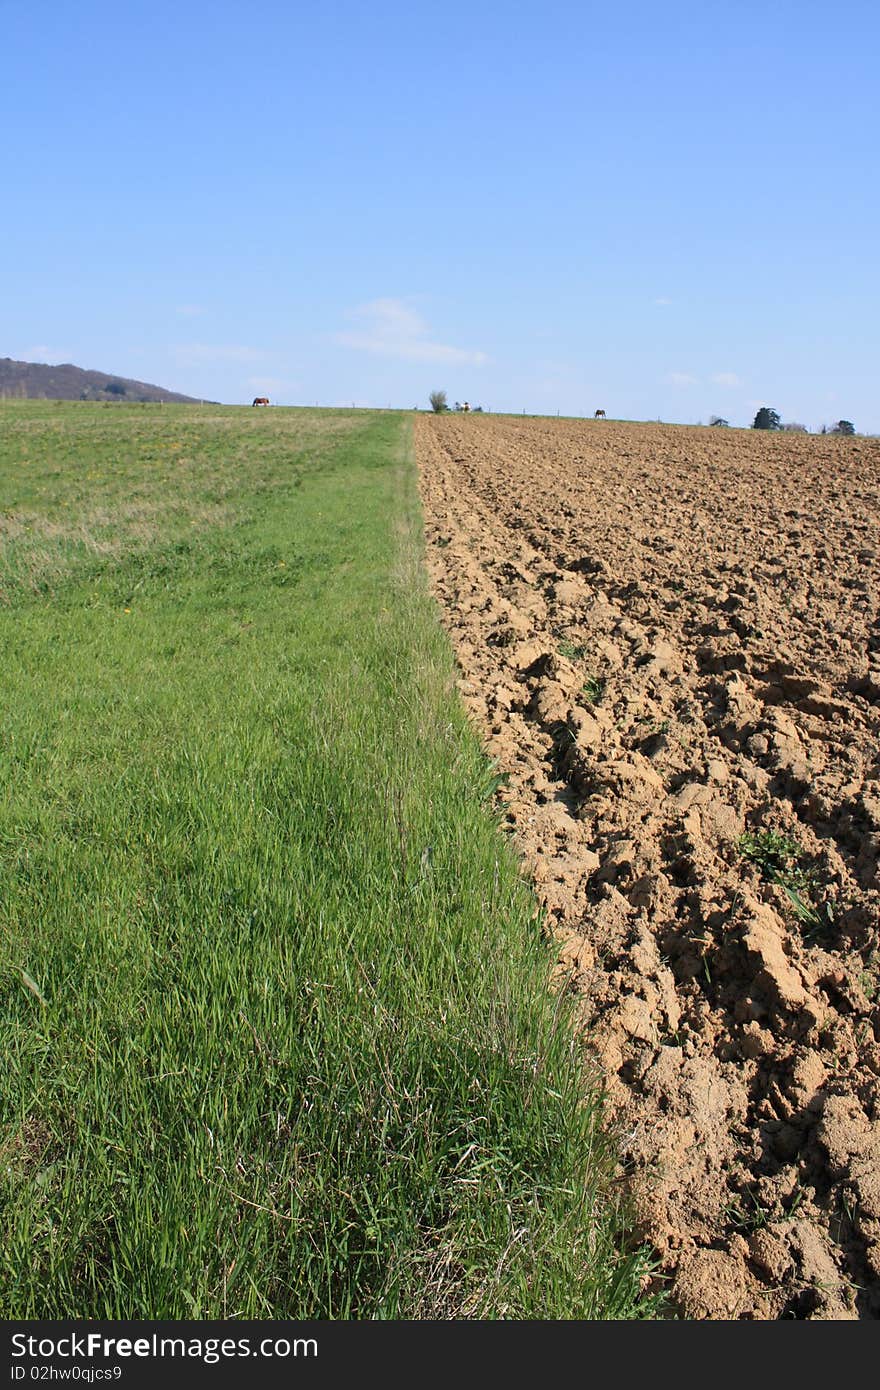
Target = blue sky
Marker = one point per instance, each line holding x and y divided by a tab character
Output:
664	210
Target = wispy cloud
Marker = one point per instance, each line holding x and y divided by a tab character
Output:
189	311
46	356
662	300
271	383
555	380
729	379
200	354
390	328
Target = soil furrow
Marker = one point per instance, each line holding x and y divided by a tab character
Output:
668	639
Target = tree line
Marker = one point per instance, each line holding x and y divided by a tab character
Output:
439	404
768	419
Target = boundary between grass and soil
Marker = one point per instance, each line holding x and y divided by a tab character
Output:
273	995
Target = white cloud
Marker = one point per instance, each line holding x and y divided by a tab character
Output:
727	379
45	356
272	383
198	354
681	379
661	300
189	311
392	329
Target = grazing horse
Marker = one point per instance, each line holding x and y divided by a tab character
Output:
600	415
261	400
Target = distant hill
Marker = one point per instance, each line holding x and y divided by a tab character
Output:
36	381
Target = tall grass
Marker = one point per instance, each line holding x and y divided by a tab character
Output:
276	1034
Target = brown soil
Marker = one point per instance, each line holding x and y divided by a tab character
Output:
669	638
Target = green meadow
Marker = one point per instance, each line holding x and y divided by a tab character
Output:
276	1034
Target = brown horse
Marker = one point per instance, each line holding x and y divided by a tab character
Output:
600	415
261	400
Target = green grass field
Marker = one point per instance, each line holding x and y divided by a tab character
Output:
277	1041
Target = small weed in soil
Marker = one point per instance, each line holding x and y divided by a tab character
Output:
593	689
773	852
776	856
572	651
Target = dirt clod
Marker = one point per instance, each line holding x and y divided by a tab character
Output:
669	642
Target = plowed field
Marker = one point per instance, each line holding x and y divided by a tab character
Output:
669	638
